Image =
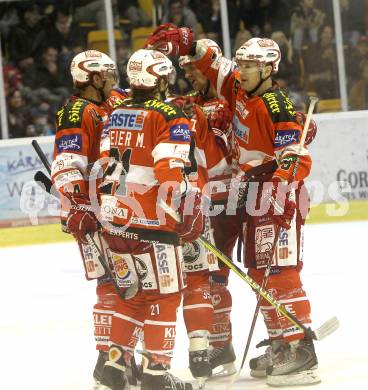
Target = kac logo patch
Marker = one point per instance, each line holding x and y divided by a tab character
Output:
286	137
69	143
180	133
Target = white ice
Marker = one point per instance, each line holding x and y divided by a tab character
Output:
46	331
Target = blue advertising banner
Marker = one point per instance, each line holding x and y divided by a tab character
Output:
22	201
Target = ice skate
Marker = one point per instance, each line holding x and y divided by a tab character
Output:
97	372
222	361
295	364
259	364
199	366
113	374
164	381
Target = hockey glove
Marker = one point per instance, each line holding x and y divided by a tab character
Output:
219	121
190	210
281	209
81	218
312	128
171	40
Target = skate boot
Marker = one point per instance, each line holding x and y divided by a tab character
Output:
199	363
113	375
259	364
222	361
294	364
97	372
156	377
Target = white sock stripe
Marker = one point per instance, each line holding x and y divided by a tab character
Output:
198	306
154	372
104	311
165	352
222	310
129	319
283	301
125	347
115	365
160	323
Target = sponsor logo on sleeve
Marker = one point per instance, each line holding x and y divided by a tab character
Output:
241	131
180	132
286	137
69	143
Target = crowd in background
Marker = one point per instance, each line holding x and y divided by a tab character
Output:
39	39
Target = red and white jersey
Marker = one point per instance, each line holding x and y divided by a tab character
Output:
79	124
265	126
150	143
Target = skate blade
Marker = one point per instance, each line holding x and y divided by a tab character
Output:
258	373
307	377
223	371
201	382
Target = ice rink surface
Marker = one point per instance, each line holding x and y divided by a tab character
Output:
46	332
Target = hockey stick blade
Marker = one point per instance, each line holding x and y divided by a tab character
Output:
326	329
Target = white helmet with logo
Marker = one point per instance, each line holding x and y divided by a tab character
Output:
204	44
145	67
262	50
91	62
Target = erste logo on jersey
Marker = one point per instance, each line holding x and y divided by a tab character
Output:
127	119
241	131
286	137
180	132
69	143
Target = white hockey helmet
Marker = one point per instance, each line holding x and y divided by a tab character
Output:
204	43
91	62
262	50
145	67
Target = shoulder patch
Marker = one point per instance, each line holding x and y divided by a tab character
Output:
279	106
70	115
168	110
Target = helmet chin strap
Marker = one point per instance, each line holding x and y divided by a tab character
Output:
260	82
206	89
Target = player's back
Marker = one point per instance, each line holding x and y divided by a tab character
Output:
150	139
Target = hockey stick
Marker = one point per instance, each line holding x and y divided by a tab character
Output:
313	102
44	182
323	331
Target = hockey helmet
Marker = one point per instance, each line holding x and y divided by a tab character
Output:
145	67
90	62
262	50
204	43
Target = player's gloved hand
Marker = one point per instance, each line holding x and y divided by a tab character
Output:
221	118
81	218
171	40
192	220
282	209
312	128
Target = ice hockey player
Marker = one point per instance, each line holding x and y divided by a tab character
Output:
225	228
148	142
79	126
266	128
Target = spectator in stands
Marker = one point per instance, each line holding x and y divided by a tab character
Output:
357	54
130	9
210	19
321	66
8	18
47	82
63	33
290	70
27	39
241	37
90	11
12	77
305	23
123	54
352	20
358	96
19	115
179	15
